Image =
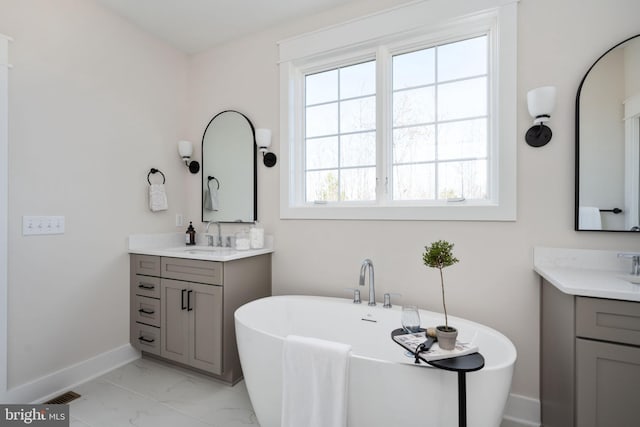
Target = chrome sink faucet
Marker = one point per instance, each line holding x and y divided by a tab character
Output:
210	238
635	262
367	264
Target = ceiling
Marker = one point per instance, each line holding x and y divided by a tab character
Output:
196	25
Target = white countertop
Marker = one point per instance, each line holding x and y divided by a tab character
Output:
172	245
590	273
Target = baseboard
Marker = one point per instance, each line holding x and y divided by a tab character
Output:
521	411
48	386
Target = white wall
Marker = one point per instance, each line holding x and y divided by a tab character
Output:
94	104
494	283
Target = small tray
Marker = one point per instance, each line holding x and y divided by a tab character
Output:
467	363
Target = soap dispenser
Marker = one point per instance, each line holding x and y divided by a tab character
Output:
190	237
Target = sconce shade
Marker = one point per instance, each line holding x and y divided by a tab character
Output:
263	141
185	148
263	138
541	103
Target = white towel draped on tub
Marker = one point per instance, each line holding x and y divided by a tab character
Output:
157	198
315	379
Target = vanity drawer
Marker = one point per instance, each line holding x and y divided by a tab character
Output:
147	286
608	320
147	265
147	310
147	338
191	270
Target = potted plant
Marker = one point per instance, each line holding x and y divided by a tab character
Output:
439	255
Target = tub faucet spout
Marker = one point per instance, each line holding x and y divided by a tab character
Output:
367	264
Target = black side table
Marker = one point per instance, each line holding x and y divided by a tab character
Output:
461	364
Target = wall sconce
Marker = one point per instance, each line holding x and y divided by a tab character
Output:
541	102
185	148
263	141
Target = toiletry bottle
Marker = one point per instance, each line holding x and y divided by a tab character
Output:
190	237
243	242
257	236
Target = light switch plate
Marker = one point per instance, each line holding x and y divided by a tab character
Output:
40	225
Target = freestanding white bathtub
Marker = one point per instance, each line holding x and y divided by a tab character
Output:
386	389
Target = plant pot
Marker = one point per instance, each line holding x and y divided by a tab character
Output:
446	337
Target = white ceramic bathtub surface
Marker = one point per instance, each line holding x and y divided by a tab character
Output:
385	387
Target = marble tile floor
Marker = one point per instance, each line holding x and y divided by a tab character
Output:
148	393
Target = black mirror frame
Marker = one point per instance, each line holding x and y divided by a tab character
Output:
255	167
577	143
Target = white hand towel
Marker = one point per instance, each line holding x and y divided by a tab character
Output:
211	201
589	218
315	379
157	198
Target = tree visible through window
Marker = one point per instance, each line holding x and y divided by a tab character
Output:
340	134
440	119
439	127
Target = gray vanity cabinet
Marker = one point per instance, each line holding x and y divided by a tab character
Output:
192	324
145	303
182	309
589	360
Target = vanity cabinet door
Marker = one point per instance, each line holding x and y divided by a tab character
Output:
607	378
205	319
175	320
192	324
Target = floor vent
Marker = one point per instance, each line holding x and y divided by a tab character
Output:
63	399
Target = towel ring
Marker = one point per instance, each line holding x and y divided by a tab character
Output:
209	178
154	170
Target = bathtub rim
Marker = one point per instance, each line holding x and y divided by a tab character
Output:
509	361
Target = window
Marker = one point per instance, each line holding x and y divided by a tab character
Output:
440	119
340	134
403	124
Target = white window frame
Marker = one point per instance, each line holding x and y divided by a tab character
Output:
401	29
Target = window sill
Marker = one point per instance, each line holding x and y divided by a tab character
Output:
462	212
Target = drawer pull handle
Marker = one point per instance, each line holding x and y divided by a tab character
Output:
190	308
146	340
143	311
146	286
183	306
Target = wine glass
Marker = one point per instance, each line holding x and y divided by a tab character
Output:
410	319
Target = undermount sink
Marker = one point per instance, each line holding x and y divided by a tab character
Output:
213	250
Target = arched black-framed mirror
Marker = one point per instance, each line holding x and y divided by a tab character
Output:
607	193
229	165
